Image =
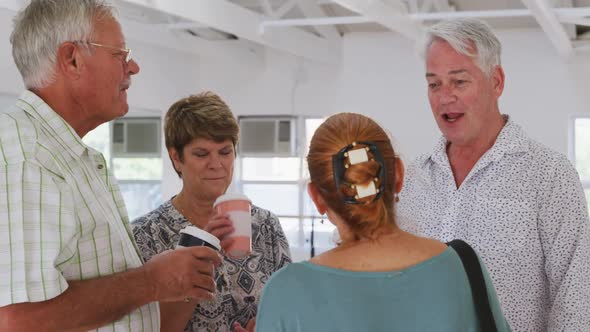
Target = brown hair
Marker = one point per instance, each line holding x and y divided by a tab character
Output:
338	131
204	115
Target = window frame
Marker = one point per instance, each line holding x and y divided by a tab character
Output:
572	149
301	183
111	158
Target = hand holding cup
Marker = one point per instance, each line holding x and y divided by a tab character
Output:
221	227
185	273
237	208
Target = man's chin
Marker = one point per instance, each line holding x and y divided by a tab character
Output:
123	110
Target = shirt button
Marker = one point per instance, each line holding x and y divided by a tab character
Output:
100	166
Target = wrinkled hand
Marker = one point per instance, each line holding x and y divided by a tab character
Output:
221	226
250	326
175	275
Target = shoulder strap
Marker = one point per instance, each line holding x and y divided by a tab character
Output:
477	283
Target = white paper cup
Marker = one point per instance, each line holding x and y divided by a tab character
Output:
192	236
237	207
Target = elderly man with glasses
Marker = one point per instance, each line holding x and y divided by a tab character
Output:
67	256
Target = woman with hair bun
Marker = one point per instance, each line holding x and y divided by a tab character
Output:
378	278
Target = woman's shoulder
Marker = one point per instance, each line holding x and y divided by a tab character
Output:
290	275
157	230
152	224
153	216
263	216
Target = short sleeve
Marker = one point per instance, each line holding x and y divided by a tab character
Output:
37	225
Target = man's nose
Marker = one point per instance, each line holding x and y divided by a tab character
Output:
447	95
132	67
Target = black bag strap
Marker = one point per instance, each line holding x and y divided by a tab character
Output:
477	283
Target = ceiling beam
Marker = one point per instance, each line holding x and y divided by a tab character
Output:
177	41
392	15
575	20
549	22
285	8
310	8
180	41
266	7
243	23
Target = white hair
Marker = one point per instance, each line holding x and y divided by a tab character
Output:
470	37
42	26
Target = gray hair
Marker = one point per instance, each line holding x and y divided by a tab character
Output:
464	33
42	26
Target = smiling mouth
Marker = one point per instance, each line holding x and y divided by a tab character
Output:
452	117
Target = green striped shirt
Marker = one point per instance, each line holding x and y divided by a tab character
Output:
62	216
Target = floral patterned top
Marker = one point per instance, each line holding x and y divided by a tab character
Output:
239	281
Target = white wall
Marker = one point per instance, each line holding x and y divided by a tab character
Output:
10	82
279	84
383	77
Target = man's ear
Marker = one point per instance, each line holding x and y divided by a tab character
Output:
317	199
498	80
399	175
69	60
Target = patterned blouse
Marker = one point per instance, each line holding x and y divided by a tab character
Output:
239	281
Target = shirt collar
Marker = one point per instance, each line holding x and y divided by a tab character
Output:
512	139
56	126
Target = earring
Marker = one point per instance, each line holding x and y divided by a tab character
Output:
396	197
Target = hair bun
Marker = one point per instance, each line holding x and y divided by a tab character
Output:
339	177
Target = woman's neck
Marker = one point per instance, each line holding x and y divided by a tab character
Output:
349	240
347	236
193	208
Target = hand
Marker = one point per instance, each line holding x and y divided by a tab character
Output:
250	326
175	275
221	226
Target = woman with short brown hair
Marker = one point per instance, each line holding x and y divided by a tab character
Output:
201	134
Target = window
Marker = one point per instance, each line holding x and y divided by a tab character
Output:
139	177
581	152
279	184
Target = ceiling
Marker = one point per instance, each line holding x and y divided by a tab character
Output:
312	29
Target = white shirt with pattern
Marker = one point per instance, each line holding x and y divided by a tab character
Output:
522	207
62	216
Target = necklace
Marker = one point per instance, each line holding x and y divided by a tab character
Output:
178	207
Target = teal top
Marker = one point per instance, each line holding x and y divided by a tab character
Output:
431	296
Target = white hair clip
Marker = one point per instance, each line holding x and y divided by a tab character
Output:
364	191
358	156
346	157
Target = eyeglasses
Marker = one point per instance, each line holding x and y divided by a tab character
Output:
125	51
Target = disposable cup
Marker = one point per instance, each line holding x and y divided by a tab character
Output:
237	207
